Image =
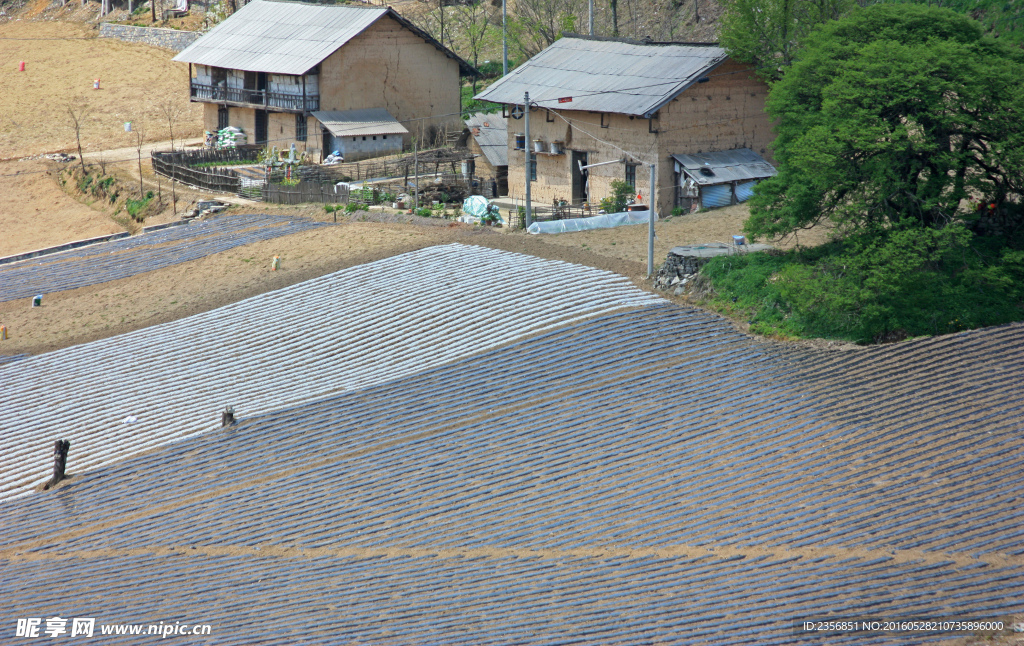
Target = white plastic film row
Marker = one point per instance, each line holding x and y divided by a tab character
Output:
354	328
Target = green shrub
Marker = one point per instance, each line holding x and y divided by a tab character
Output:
352	207
101	186
870	289
135	208
423	212
679	211
621	194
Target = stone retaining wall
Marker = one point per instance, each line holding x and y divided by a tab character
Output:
678	271
168	38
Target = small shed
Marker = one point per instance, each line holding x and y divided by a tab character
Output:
360	134
719	178
488	138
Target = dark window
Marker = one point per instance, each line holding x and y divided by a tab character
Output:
631	175
219	75
364	138
533	169
520	142
222	117
300	127
385	136
375	137
262	122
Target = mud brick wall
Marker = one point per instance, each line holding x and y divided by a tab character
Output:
387	66
724	113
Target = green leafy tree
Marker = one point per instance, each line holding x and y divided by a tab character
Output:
1000	18
767	33
895	116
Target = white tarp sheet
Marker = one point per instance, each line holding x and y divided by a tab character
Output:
606	221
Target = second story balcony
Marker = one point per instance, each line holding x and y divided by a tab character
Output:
264	99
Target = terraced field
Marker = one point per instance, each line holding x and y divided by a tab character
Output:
104	262
626	471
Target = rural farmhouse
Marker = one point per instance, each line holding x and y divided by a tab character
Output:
600	99
360	80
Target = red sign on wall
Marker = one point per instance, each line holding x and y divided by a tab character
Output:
565	99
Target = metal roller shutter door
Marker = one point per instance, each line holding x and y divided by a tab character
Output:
714	196
745	190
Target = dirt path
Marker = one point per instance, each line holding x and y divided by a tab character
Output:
129	154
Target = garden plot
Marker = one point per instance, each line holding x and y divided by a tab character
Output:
643	476
361	326
107	261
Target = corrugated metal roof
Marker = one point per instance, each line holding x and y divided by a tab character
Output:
606	75
740	164
290	37
491	133
350	123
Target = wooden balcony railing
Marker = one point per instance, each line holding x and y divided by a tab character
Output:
255	98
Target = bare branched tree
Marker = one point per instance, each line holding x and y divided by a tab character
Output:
172	109
139	134
473	22
538	23
78	111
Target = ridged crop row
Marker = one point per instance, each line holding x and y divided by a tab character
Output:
360	326
107	261
251	598
561	484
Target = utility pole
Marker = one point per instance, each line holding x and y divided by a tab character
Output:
591	17
416	175
504	41
526	109
650	227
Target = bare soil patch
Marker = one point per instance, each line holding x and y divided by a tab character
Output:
716	225
36	213
62	60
